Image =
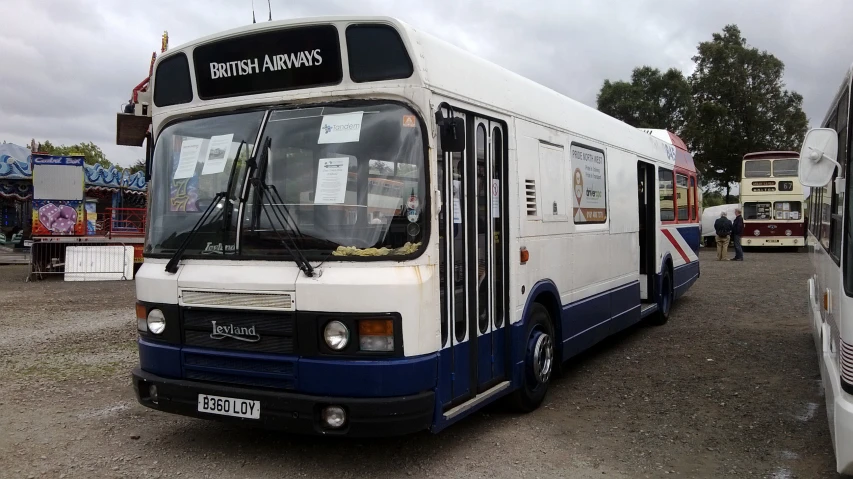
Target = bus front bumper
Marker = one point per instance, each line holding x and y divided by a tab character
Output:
291	412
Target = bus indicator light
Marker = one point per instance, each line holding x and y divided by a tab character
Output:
376	335
525	255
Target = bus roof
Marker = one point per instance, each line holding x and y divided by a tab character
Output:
456	73
771	155
683	158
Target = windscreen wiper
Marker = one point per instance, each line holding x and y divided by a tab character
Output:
287	224
172	265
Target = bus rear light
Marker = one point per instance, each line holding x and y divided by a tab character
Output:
376	335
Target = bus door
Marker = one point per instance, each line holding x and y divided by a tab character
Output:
646	195
472	263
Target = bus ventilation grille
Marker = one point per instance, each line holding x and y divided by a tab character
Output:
846	361
530	195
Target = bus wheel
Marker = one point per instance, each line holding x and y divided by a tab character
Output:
539	360
665	305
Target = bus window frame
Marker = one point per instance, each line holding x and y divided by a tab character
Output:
674	219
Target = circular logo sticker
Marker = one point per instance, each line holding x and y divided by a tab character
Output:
412	215
413	229
413	202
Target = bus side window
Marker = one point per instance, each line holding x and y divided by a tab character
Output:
691	194
837	218
667	194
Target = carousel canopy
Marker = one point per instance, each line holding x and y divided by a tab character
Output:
16	164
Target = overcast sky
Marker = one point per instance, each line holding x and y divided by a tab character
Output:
66	66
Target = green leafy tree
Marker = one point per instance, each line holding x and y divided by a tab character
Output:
741	106
712	198
650	100
139	165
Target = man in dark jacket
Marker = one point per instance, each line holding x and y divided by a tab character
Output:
723	227
737	233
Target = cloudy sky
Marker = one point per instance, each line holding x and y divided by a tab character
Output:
66	66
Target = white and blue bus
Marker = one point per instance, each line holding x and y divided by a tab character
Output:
823	167
346	242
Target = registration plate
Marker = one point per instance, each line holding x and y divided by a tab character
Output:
229	406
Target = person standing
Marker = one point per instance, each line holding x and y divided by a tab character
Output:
737	234
723	228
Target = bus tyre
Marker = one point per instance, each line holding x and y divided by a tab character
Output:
665	305
539	360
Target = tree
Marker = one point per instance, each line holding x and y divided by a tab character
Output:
741	106
651	100
712	198
139	165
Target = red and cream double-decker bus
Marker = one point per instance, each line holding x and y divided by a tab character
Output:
772	199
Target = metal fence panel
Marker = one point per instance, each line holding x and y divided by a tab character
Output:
81	261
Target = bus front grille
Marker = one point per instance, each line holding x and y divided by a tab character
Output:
239	330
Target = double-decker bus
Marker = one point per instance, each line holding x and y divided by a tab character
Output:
516	228
824	169
772	200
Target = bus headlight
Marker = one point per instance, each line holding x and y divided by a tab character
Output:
756	232
156	321
336	335
376	335
787	232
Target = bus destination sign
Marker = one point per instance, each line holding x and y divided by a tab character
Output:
279	60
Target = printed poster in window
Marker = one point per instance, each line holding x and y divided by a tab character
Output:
589	203
184	189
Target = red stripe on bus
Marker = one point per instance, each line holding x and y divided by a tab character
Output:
668	235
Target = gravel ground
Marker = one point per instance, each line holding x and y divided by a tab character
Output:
728	388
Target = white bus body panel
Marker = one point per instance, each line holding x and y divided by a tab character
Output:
828	329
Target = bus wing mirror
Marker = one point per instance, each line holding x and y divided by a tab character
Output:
452	135
817	158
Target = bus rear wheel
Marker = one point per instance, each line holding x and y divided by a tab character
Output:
666	298
539	360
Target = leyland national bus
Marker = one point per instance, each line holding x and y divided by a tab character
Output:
529	229
772	199
823	168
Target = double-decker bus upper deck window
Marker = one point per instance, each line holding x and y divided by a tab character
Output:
376	52
172	85
756	169
292	58
787	167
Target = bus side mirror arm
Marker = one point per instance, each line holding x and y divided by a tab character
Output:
148	155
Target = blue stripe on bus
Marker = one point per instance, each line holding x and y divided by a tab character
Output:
359	378
684	277
160	359
491	359
326	377
590	320
692	236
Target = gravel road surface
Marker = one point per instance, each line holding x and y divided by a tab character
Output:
728	388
